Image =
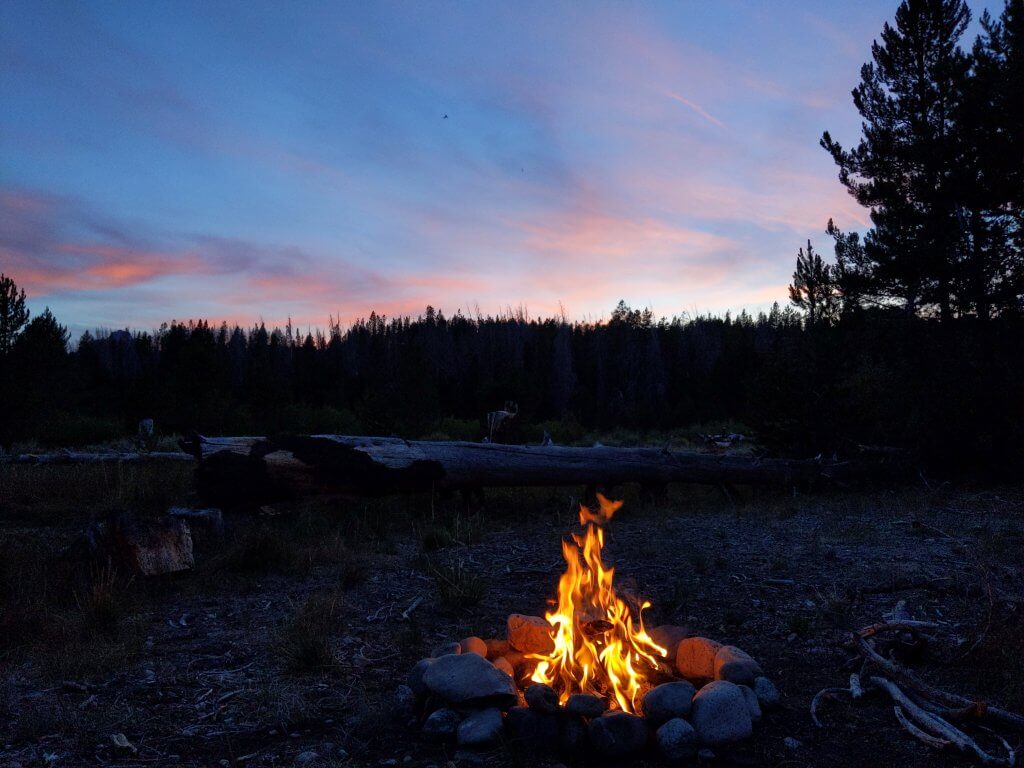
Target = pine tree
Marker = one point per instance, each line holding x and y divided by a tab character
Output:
852	270
13	314
814	287
991	167
903	168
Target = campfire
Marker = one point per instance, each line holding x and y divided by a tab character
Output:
588	677
599	648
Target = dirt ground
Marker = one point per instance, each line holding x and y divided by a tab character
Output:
289	636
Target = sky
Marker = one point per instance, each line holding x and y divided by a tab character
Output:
258	161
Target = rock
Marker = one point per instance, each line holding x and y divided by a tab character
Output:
469	680
736	666
752	706
585	704
496	648
677	740
695	658
572	737
515	658
305	758
482	728
668	636
441	725
446	649
122	746
405	703
790	743
617	734
542	698
415	679
720	714
705	756
768	695
473	645
532	729
529	634
668	701
502	663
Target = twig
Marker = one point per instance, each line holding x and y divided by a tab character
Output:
822	694
412	607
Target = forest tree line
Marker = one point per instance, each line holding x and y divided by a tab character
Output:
912	337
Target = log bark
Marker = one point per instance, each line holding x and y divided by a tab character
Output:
242	470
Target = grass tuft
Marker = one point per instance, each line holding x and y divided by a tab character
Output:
305	643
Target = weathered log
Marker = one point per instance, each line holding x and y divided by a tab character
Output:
239	470
88	457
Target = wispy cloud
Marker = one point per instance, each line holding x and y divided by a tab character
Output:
698	109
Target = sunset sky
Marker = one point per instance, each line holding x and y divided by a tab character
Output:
249	160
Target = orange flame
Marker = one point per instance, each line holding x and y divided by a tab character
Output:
598	648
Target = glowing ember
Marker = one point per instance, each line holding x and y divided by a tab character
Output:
598	647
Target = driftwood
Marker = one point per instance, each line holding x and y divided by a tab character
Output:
925	712
245	470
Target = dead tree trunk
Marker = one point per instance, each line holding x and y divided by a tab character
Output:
246	470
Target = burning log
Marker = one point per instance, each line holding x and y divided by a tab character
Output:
243	470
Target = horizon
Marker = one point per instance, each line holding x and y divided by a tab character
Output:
242	164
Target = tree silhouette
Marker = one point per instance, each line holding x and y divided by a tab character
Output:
13	314
814	287
904	167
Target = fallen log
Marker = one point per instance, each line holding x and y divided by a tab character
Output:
242	470
90	457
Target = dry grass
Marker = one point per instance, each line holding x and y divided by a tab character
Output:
305	643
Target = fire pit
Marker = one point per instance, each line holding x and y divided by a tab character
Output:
588	676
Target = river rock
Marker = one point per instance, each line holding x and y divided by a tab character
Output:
752	706
469	680
482	728
768	695
529	634
532	729
446	649
677	740
405	704
441	725
503	664
736	666
415	679
695	658
572	737
473	645
668	636
617	734
516	658
542	698
720	714
586	705
667	701
496	648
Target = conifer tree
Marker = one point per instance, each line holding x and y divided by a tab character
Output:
903	168
814	288
13	314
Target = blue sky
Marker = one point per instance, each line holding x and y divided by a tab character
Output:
254	160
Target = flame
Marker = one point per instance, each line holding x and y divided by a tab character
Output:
599	648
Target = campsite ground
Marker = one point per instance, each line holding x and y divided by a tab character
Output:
288	636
